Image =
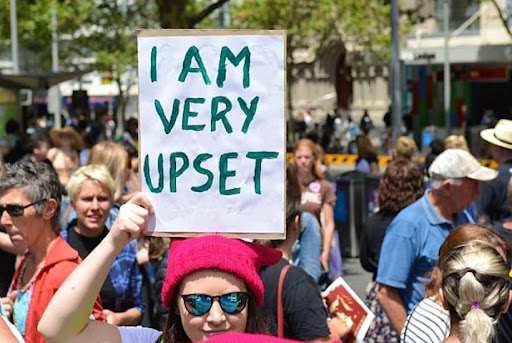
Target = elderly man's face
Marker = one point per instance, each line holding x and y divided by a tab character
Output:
465	194
23	230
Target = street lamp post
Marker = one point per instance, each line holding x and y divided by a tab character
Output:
14	38
447	91
396	102
54	91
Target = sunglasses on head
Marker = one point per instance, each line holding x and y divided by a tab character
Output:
16	210
199	304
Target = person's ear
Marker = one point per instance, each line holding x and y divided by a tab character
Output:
443	300
446	185
50	208
506	305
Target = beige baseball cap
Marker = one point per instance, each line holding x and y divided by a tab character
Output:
456	164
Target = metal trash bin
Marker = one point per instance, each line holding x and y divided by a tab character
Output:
355	198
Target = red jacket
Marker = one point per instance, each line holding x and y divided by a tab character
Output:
60	261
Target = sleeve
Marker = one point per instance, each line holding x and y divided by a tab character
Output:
328	196
304	311
136	287
396	256
138	334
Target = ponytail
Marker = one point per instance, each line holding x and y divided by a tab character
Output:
476	286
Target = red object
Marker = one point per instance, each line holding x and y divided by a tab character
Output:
60	261
234	256
487	74
430	97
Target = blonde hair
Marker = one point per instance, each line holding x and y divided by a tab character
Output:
115	158
317	165
456	142
405	148
94	172
476	287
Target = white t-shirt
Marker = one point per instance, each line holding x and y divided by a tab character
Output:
138	334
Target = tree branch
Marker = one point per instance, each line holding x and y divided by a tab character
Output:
502	17
193	21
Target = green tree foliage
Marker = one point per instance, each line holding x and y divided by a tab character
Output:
34	26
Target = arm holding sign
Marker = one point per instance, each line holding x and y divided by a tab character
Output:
66	318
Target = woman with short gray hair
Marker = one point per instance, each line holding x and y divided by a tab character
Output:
29	210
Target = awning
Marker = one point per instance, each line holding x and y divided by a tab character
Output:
37	81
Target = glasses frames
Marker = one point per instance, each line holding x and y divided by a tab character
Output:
15	210
200	304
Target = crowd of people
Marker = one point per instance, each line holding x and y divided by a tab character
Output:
77	266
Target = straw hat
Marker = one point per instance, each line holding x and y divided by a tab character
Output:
501	135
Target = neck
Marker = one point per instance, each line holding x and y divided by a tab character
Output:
286	249
441	206
84	231
305	174
40	249
455	335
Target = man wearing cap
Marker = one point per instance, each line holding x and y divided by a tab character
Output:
411	244
493	205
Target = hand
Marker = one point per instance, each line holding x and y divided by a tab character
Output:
8	303
324	259
132	220
111	318
338	327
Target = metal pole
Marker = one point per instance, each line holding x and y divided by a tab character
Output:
396	102
55	90
447	90
14	38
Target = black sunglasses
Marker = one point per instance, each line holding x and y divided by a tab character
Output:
15	210
199	304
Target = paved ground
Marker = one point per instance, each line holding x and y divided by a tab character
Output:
355	275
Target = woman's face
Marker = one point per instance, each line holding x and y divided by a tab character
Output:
304	158
92	205
216	321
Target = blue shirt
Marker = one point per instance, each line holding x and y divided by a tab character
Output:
124	275
410	248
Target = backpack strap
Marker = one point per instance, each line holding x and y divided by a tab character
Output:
280	315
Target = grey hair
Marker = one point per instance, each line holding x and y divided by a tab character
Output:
476	286
37	181
436	183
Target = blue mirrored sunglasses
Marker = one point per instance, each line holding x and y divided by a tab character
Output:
199	304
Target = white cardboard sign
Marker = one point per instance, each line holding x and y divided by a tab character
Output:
212	131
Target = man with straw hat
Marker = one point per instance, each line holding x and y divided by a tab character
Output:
493	205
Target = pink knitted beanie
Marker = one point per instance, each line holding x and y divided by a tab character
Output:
234	256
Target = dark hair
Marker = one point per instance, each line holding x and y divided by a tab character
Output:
35	141
174	331
401	184
37	181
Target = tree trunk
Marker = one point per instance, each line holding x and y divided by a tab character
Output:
173	14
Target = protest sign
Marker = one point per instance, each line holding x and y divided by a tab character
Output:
212	131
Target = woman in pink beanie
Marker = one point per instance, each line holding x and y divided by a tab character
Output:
212	287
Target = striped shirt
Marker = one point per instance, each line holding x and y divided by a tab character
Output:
428	322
